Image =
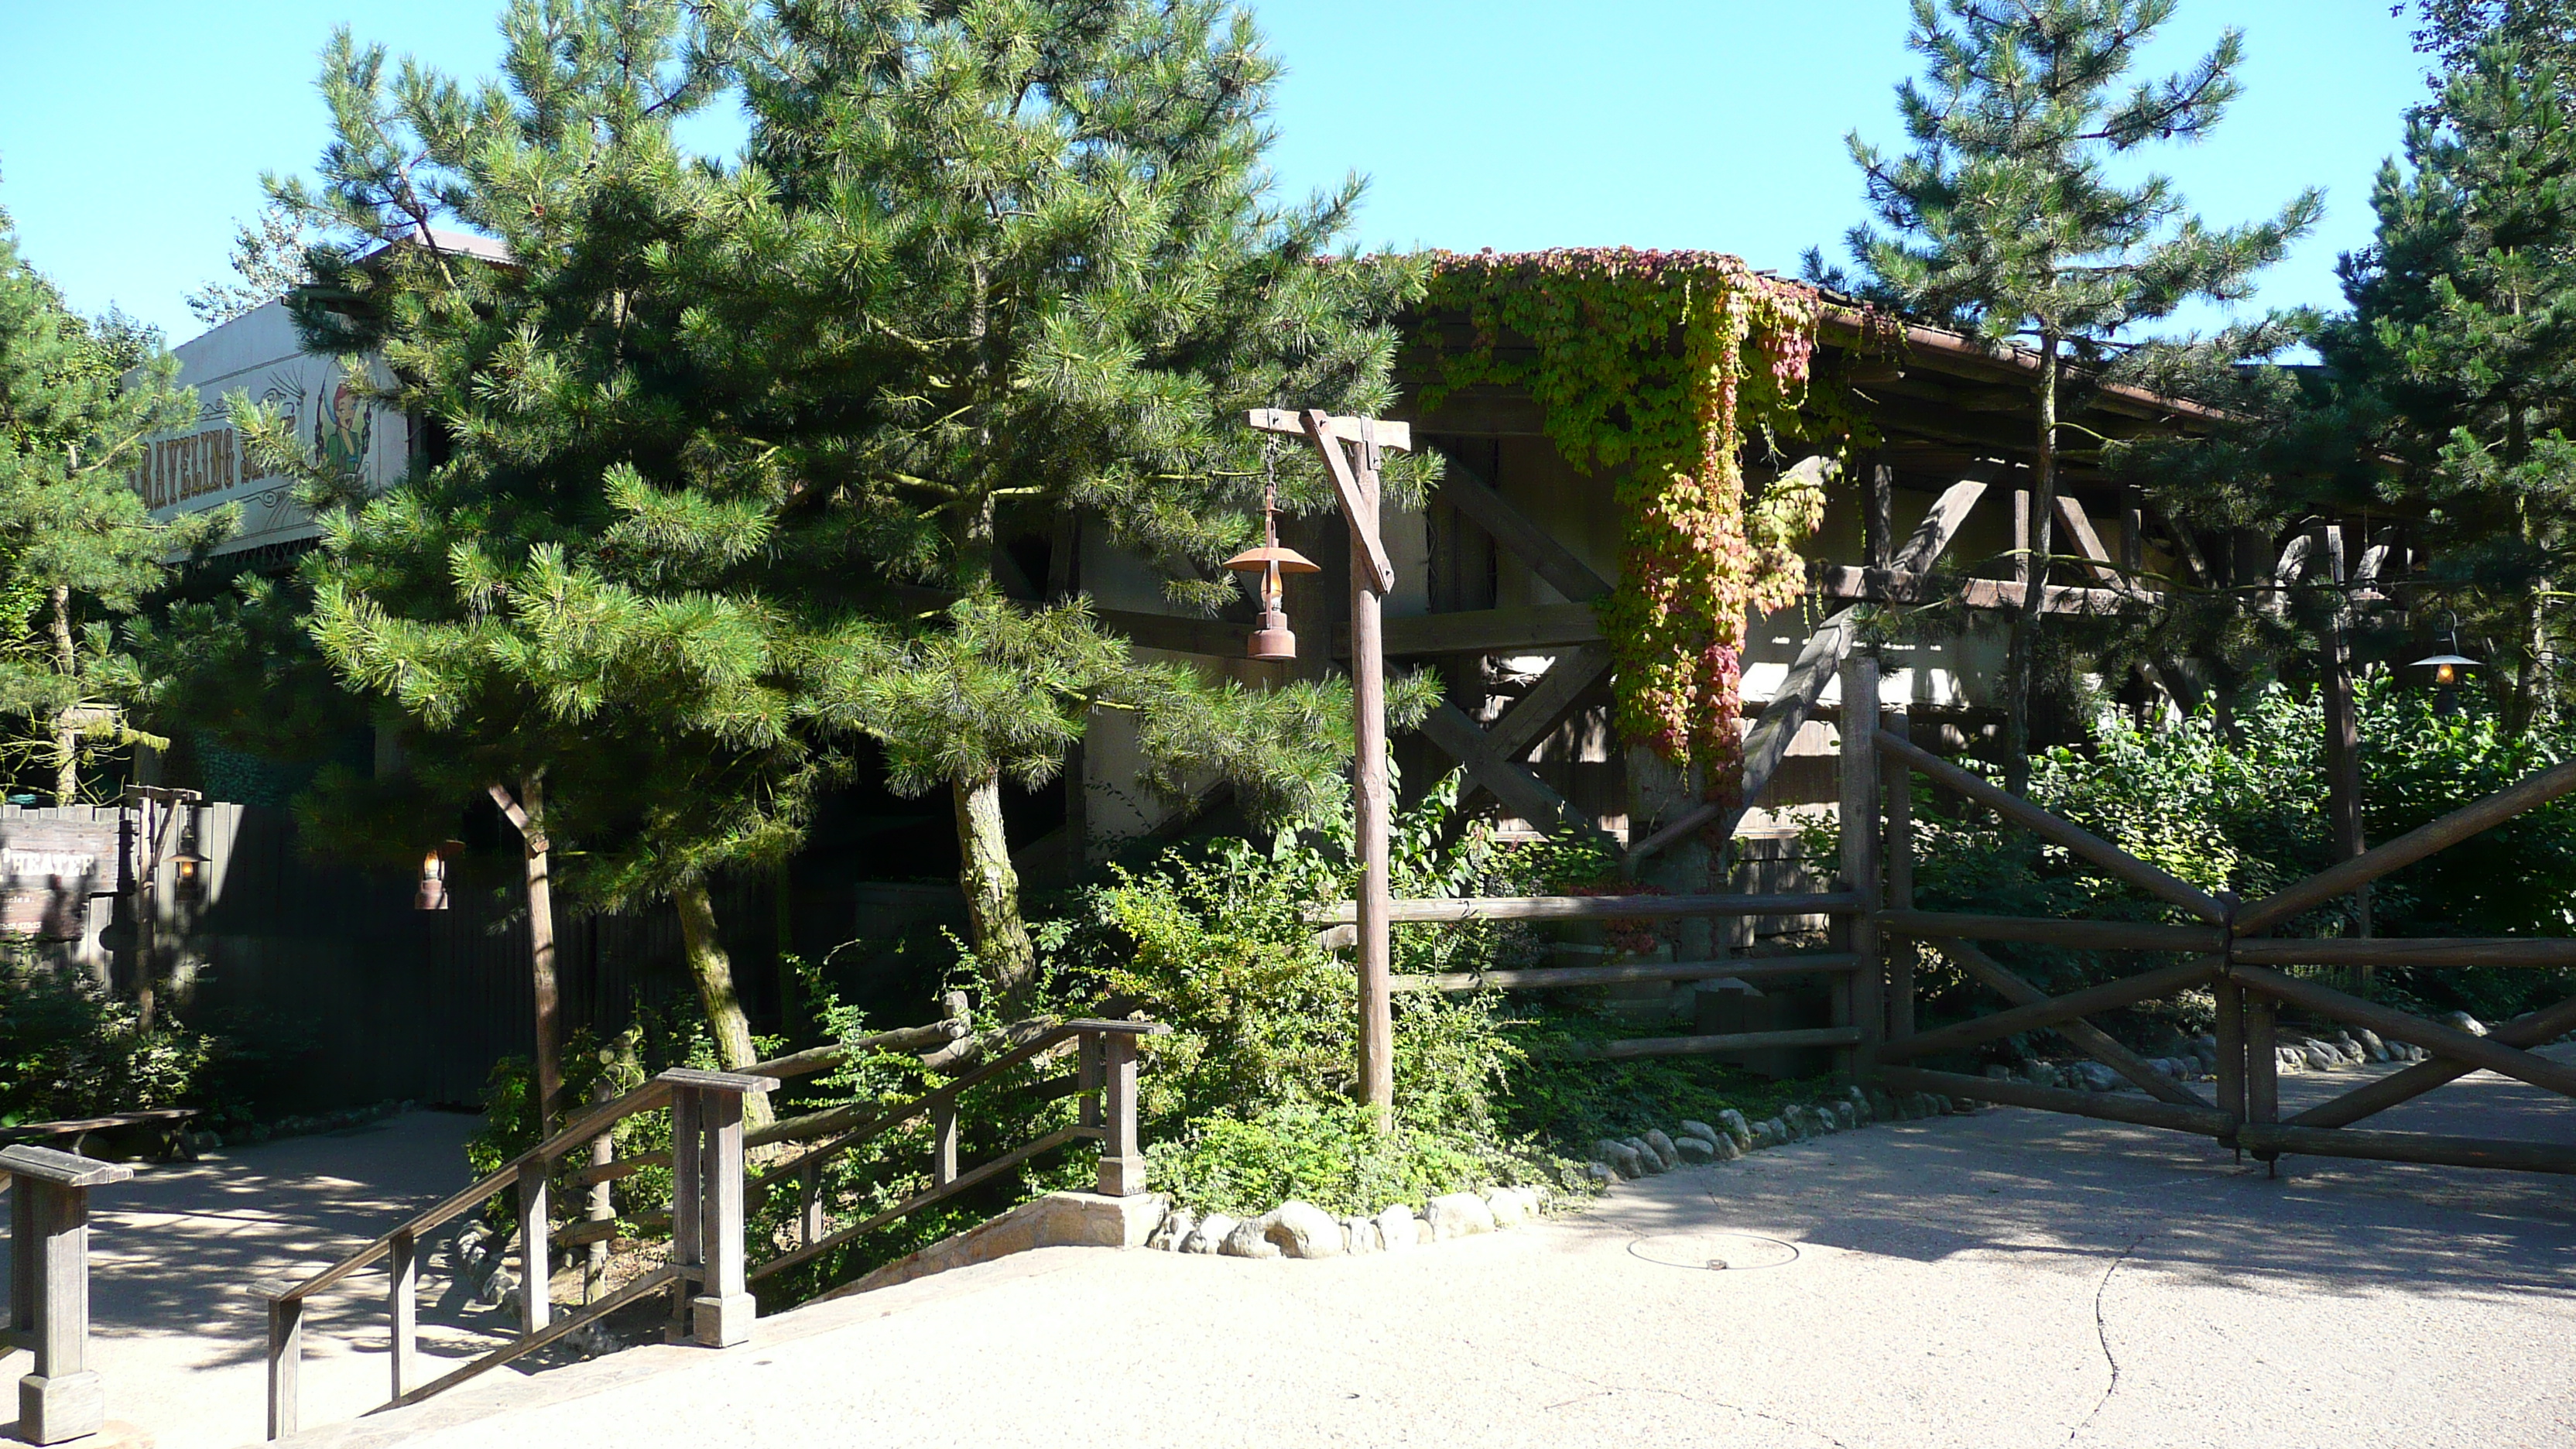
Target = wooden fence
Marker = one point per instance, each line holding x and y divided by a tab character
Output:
2230	951
329	966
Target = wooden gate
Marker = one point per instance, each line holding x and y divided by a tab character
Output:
2233	955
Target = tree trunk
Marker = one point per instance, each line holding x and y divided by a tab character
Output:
537	854
992	889
2020	664
713	972
66	731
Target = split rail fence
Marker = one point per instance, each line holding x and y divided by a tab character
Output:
2228	946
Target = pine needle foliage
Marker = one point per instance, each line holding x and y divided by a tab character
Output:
2005	219
2463	338
78	549
733	447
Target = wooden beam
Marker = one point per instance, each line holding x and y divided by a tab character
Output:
1398	436
2407	849
2127	991
1733	968
1781	718
2155	881
1359	504
2531	1029
2421	1147
1931	537
1843	581
1178	633
2087	1038
2110	1107
2550	953
1696	1046
1596	908
2477	1051
2084	935
1515	784
1533	629
1511	528
1534	714
2079	531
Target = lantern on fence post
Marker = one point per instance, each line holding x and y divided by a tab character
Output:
1272	640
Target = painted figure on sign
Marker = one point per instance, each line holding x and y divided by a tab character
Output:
341	428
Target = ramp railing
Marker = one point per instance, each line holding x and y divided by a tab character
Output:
712	1302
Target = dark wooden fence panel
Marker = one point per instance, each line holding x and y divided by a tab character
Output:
361	998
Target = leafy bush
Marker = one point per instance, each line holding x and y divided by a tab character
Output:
2243	809
69	1049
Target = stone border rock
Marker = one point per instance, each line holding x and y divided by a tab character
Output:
1733	1134
1296	1229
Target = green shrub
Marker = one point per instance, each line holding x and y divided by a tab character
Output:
68	1049
2243	809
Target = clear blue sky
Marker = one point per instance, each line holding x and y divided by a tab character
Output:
132	134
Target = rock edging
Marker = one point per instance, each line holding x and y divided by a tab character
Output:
1298	1229
1733	1134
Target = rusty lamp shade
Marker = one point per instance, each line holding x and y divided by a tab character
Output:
1272	640
432	895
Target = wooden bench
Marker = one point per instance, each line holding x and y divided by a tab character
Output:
170	1124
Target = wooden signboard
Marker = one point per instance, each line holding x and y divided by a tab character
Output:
48	870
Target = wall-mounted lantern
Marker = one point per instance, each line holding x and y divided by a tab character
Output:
1272	640
432	895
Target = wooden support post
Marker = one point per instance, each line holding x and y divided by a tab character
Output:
943	1144
402	1312
1087	1059
2262	1066
721	1314
1882	514
1897	790
22	1263
1122	1159
809	1188
536	1261
2133	531
602	1207
688	1179
2023	571
285	1365
49	1251
1371	807
2231	1049
1860	833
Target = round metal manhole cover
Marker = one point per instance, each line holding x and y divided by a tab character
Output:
1719	1252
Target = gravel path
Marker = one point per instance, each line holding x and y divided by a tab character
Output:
2006	1279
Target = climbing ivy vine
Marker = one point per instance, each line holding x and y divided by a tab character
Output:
1661	364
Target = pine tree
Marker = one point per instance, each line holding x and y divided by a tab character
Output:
577	604
2004	219
1026	259
708	426
2464	328
78	548
2453	30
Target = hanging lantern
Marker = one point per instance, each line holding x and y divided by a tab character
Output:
2446	667
1271	640
432	895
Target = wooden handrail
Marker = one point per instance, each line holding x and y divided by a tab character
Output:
578	1133
980	1173
1594	908
884	1118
